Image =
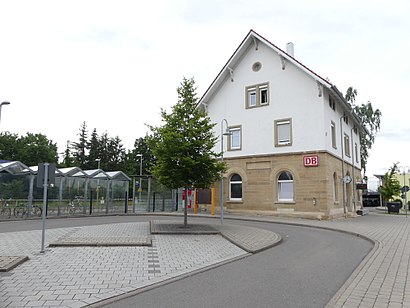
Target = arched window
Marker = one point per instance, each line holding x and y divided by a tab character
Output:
285	186
235	187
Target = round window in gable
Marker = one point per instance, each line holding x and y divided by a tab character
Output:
256	66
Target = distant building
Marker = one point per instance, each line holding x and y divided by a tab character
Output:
294	147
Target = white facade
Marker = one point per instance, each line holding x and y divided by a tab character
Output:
280	113
295	93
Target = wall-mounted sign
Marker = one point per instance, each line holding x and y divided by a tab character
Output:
311	161
361	186
347	179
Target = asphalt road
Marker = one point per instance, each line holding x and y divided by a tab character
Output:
305	270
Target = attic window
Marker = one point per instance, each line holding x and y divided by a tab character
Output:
257	95
256	66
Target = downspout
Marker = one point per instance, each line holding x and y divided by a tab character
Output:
343	167
353	176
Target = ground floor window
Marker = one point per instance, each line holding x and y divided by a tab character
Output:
285	186
235	187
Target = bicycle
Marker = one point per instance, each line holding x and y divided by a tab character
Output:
5	208
21	210
74	205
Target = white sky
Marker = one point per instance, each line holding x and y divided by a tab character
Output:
115	64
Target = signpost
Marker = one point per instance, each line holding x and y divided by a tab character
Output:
45	178
361	186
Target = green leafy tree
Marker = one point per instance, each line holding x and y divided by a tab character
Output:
30	149
370	118
183	145
390	185
133	160
36	148
9	146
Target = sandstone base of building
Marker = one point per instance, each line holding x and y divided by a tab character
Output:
287	213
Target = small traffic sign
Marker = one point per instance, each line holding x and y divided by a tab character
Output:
405	189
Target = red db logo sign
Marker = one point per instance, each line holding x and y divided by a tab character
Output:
311	161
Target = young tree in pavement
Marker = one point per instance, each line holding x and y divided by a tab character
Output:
183	145
370	118
391	185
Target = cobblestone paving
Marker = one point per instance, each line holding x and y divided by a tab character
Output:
78	276
383	279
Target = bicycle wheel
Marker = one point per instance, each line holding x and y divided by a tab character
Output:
37	211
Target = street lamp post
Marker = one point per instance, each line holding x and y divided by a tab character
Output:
140	189
1	105
98	160
226	133
403	189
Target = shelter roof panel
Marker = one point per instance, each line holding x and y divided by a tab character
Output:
15	167
118	175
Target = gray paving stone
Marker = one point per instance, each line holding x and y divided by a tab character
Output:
109	271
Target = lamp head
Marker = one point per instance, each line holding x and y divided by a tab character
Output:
227	132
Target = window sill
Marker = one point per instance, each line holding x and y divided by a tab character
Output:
235	201
285	202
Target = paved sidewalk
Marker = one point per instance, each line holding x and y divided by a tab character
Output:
383	278
78	276
86	265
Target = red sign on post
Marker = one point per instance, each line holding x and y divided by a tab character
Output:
311	161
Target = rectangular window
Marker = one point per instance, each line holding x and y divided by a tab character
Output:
283	132
257	95
345	118
252	97
235	140
285	191
333	132
347	145
332	103
263	94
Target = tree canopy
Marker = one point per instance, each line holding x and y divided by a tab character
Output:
370	119
183	145
30	149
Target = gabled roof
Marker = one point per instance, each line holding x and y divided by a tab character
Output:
118	175
253	39
15	167
35	170
69	171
